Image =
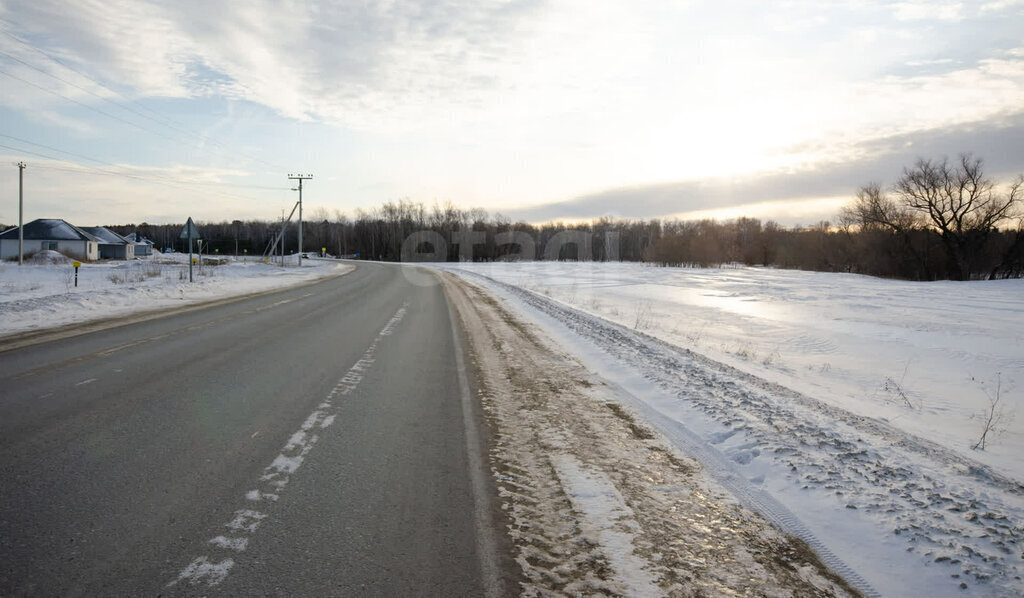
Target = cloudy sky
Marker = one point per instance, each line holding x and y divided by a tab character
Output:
129	111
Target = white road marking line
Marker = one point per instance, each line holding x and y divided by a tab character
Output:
276	475
84	382
246	520
256	495
132	344
122	347
202	569
238	544
273	305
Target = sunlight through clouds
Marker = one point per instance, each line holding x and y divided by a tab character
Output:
513	104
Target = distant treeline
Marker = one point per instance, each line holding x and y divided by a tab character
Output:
941	221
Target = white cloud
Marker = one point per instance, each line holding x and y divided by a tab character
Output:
902	105
1000	5
924	10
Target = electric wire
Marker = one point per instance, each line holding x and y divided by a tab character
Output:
173	183
112	165
83	105
169	123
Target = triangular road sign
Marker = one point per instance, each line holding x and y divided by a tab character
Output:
190	230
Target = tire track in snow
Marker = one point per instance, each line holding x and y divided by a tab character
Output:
597	504
718	465
952	512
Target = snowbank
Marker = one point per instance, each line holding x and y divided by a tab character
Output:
43	294
855	459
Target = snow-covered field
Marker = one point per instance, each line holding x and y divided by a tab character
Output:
42	293
856	342
844	408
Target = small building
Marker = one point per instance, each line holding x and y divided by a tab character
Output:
143	246
112	245
53	234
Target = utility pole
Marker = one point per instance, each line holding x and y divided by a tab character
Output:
300	178
21	209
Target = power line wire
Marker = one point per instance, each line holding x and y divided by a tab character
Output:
174	124
83	105
51	148
111	164
67	66
176	184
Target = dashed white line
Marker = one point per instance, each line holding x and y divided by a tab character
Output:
237	544
202	570
277	475
84	382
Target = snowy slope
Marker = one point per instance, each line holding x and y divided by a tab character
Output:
886	489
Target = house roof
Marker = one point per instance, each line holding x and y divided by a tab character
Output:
50	229
105	235
138	239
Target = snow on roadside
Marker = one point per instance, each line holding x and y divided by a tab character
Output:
924	357
35	297
907	515
597	503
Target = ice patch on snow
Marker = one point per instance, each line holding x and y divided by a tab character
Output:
594	496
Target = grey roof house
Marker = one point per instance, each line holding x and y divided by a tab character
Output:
53	234
143	246
112	245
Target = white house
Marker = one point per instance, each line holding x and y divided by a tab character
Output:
54	234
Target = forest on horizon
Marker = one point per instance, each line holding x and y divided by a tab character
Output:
941	220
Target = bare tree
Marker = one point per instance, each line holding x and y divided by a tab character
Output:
995	418
873	209
960	203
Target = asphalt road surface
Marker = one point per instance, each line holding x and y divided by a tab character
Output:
317	441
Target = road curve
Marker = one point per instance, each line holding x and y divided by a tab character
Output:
307	442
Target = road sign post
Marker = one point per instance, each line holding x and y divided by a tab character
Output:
190	232
77	265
